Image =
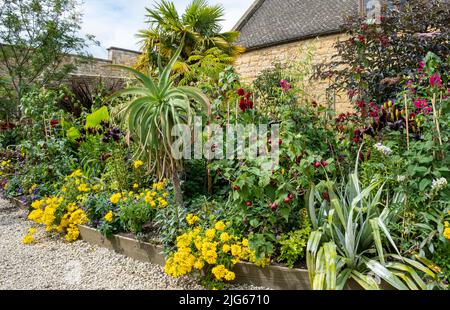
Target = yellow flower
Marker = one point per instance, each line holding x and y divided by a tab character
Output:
447	233
32	188
28	239
76	174
6	186
245	242
135	186
236	250
219	272
109	216
32	231
83	188
210	233
191	219
115	198
220	226
138	164
37	204
226	248
230	276
224	237
446	224
36	215
199	264
72	233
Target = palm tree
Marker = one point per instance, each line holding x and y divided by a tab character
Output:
198	29
156	107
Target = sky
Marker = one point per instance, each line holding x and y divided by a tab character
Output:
115	22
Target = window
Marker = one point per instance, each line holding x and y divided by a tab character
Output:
373	8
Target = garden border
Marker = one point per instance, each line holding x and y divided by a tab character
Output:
273	277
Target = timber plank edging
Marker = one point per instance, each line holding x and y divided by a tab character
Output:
273	277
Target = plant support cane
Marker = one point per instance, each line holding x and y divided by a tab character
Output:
436	121
407	121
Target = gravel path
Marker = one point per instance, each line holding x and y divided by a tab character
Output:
53	264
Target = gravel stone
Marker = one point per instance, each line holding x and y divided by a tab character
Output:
52	264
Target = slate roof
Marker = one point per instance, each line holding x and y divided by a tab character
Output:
272	22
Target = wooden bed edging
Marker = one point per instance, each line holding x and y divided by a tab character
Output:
274	277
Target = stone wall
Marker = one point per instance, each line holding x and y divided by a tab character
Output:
102	67
250	65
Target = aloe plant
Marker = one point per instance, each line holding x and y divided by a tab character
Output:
156	107
350	239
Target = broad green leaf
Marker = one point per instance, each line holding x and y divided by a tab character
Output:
97	117
386	275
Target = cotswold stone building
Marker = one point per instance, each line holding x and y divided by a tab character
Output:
281	30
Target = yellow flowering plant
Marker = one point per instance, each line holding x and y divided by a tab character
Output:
209	252
115	211
61	214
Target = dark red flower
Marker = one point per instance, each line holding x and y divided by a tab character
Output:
241	92
248	95
317	164
249	203
285	85
356	139
54	122
421	66
364	26
326	196
274	206
362	39
324	164
361	104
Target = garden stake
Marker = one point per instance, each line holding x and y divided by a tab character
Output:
407	121
237	105
436	120
228	112
209	161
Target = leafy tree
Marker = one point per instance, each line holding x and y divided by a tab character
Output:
35	35
198	29
156	107
373	63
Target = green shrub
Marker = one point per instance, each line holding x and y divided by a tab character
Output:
135	214
293	244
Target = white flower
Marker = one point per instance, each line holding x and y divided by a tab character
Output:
439	184
401	178
383	149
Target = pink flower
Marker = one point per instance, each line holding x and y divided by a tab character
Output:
285	85
421	66
420	103
435	80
